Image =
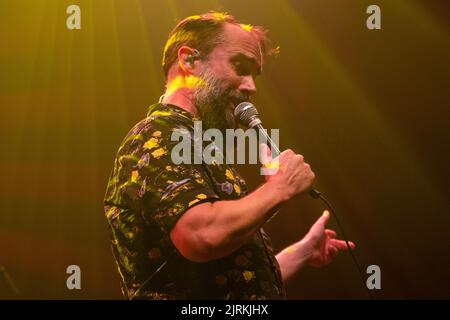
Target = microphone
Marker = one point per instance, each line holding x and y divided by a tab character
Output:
247	114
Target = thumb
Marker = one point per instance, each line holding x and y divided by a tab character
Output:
266	154
324	218
319	226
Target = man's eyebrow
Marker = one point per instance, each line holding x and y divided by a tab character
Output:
248	59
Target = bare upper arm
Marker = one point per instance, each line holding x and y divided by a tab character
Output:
190	234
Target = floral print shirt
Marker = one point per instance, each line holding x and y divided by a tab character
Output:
146	195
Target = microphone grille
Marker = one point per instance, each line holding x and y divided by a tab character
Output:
245	112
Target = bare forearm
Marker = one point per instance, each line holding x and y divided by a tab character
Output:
213	230
292	259
235	222
221	227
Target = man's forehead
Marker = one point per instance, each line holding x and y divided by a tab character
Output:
240	40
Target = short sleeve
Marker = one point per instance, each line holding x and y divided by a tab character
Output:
146	178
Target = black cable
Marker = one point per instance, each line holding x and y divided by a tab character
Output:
314	193
318	195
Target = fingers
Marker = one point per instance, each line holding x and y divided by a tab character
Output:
341	245
329	255
332	252
330	233
287	153
331	247
269	166
291	158
266	154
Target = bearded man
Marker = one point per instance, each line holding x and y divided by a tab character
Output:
193	231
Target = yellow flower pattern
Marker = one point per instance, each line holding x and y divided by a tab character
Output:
150	144
237	189
146	195
199	197
134	176
248	275
229	174
156	134
158	153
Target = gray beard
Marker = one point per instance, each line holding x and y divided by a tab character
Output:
213	103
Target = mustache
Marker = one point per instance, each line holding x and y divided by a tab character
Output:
217	88
237	97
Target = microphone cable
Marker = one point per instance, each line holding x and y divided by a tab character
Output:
315	194
247	114
318	195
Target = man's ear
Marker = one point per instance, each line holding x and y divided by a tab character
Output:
187	58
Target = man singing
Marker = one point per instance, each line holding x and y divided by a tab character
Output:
192	231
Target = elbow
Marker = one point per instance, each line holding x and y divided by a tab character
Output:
194	245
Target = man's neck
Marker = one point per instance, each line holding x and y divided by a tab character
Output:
181	98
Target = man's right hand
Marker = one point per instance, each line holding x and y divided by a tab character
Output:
293	177
212	230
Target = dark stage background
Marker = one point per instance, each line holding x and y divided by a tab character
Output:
369	109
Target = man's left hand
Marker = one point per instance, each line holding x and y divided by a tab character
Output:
320	245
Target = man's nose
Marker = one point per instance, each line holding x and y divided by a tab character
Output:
248	85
